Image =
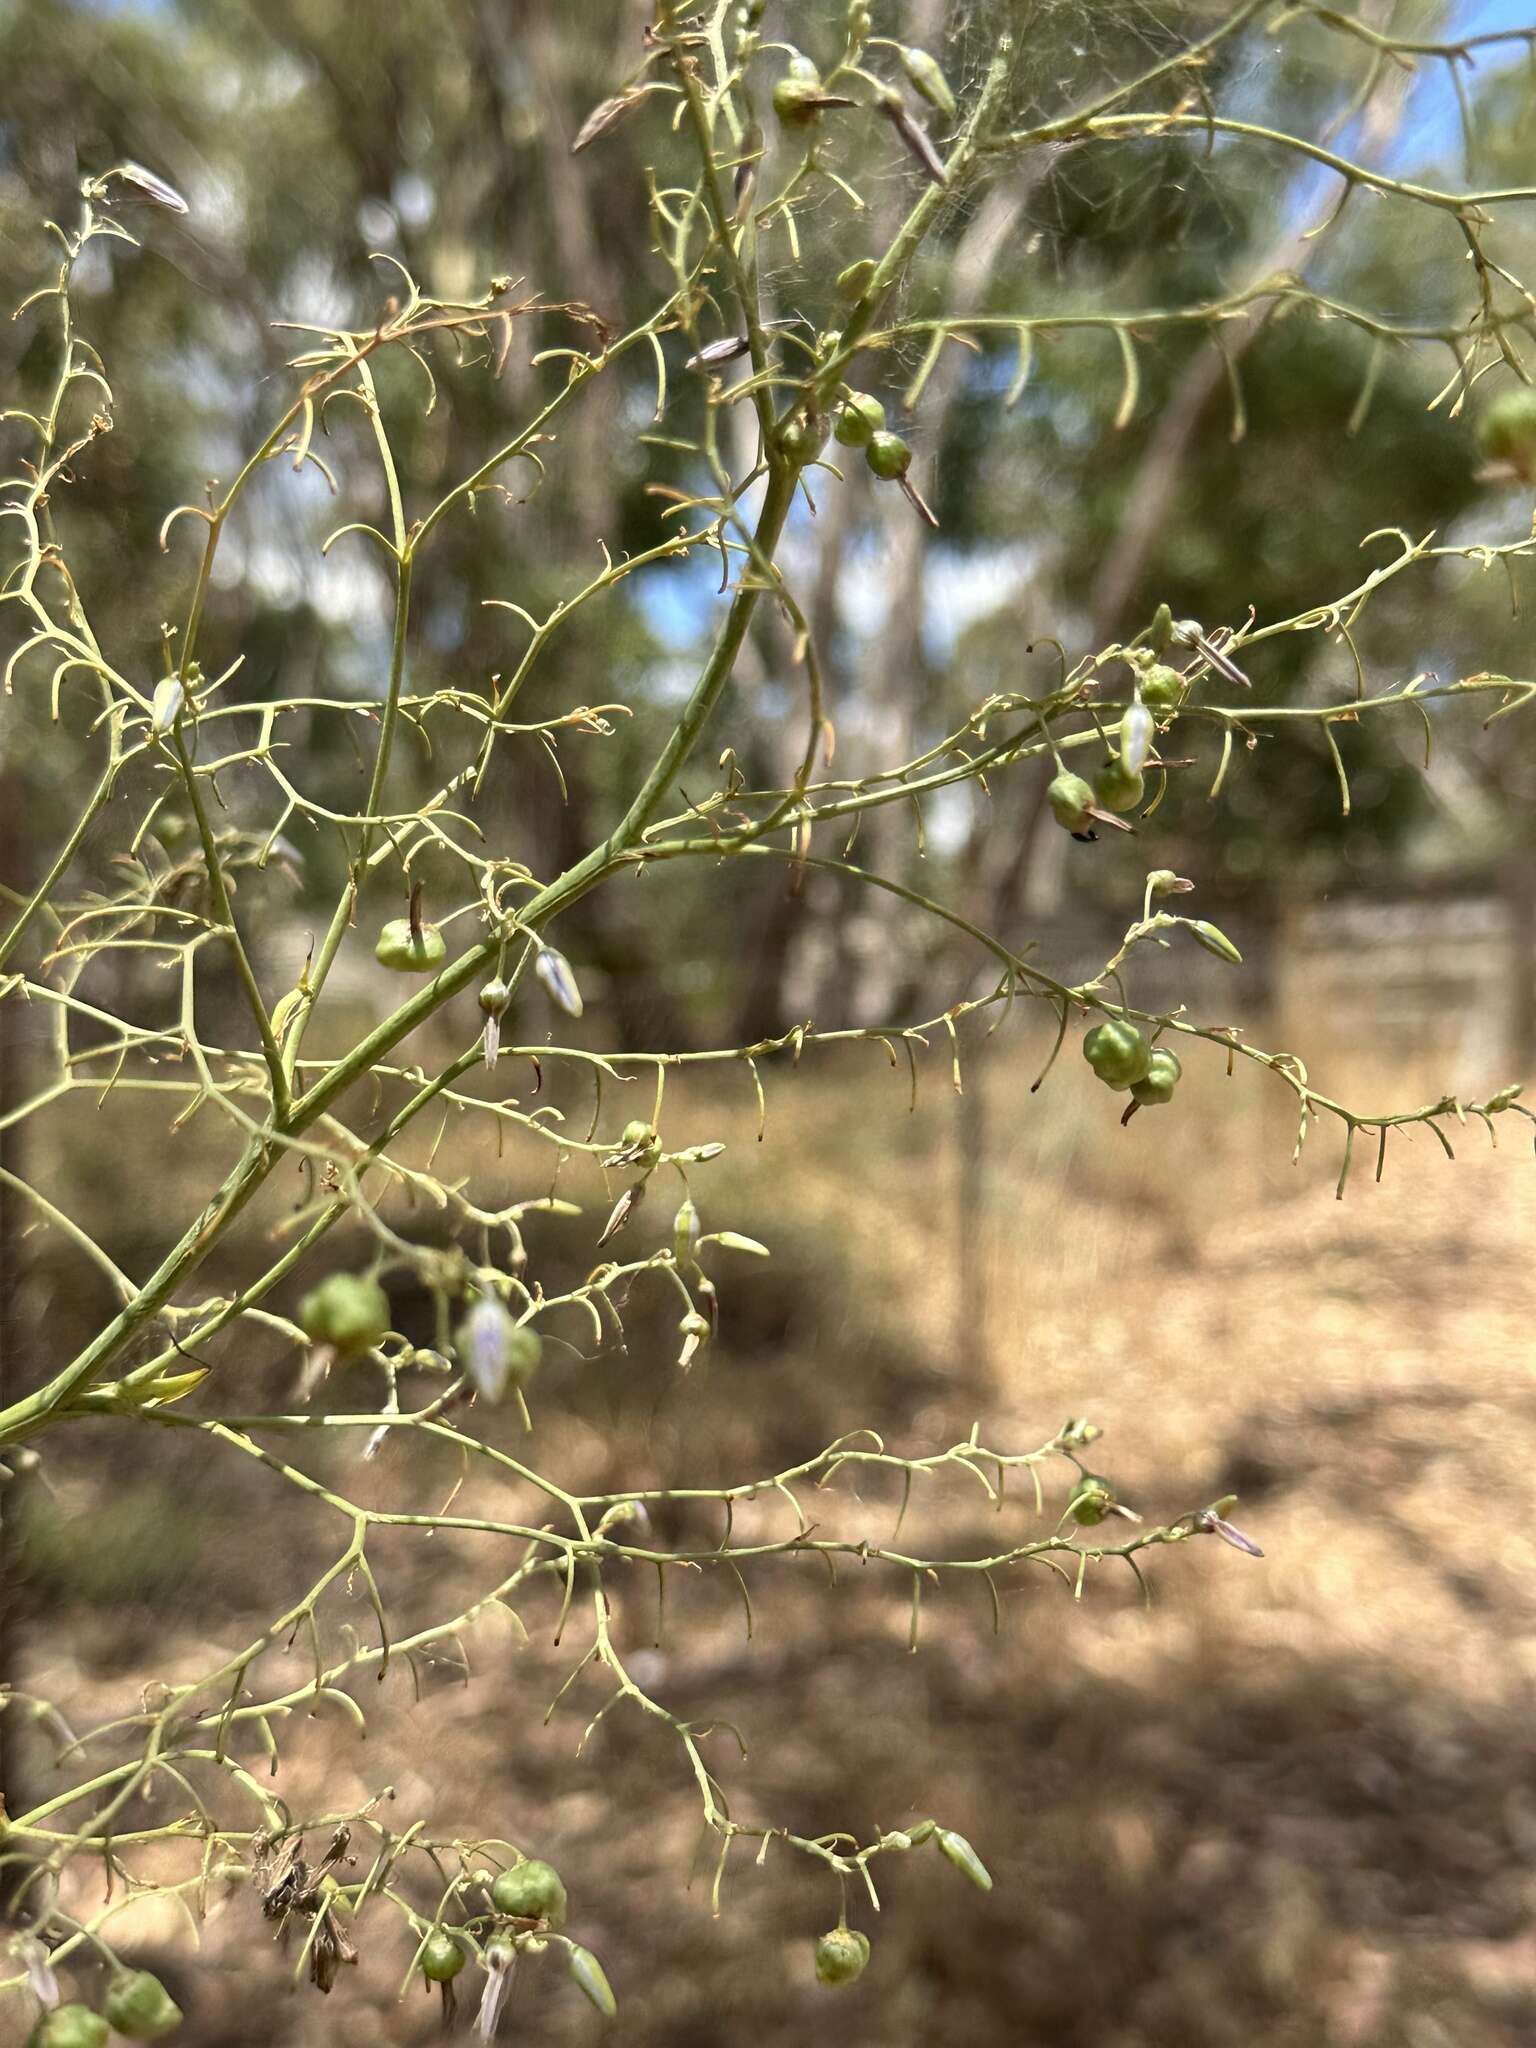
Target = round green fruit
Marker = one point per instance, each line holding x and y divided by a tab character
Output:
442	1958
861	417
494	997
1507	430
1117	1053
888	456
69	2026
1069	798
139	2007
346	1311
530	1891
1092	1501
409	951
841	1956
1160	1080
1162	689
802	436
1118	788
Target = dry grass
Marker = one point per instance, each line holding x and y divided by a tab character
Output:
1291	1803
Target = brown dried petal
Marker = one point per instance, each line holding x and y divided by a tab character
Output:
916	139
605	115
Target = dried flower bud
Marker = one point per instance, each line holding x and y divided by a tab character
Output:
1078	1430
915	138
554	970
1164	882
1190	633
1217	1527
725	350
622	1210
146	185
605	115
695	1332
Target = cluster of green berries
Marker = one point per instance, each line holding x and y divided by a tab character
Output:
1124	1059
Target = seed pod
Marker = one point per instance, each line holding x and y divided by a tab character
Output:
410	949
1135	737
1507	431
1069	798
1215	941
926	78
1161	1078
554	970
443	1957
348	1312
1118	786
888	456
531	1890
799	102
1505	1097
494	997
853	282
860	418
1163	689
964	1858
685	1232
639	1145
69	2026
165	706
841	1955
1117	1053
592	1978
139	2007
1092	1500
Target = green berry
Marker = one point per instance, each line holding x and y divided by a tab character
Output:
888	456
1162	689
1092	1501
442	1958
802	436
1117	1053
1160	1080
346	1311
1116	787
841	1956
408	950
530	1890
139	2007
69	2026
1069	798
1507	430
861	417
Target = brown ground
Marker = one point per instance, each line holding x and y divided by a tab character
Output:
1293	1803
